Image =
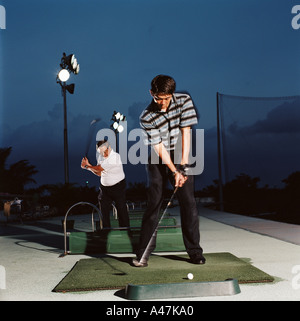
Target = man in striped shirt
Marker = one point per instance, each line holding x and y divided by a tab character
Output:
166	123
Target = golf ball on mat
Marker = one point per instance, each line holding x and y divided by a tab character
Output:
190	276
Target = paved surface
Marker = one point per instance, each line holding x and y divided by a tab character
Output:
29	253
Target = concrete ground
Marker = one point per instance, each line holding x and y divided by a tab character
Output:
31	266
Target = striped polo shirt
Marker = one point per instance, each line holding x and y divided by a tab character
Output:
160	126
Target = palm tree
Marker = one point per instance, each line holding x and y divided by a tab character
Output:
14	178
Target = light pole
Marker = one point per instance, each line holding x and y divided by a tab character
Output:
68	64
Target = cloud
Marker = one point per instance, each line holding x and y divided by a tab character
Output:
55	113
283	119
42	144
267	148
134	112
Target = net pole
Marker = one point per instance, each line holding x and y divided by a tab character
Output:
219	156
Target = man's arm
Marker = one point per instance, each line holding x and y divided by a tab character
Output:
97	170
186	142
165	156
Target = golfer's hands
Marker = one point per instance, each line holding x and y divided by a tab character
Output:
85	162
179	179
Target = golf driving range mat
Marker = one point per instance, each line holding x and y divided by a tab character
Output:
163	273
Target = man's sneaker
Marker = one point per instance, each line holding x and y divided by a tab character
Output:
138	263
197	259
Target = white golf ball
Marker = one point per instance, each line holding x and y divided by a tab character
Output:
190	276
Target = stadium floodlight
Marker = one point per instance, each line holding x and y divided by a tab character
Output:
64	75
115	125
68	65
70	62
117	119
120	128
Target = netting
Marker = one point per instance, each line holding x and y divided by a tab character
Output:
259	137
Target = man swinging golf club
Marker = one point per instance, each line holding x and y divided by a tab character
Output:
113	185
169	115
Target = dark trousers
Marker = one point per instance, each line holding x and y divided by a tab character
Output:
117	194
158	174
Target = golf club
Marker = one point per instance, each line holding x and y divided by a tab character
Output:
90	135
147	251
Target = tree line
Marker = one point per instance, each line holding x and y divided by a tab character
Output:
242	195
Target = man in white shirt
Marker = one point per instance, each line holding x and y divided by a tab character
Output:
113	185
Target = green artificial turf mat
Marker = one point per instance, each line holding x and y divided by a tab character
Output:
110	272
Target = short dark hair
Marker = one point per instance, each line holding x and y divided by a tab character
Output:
163	84
102	142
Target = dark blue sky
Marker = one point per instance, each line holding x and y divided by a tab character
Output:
244	48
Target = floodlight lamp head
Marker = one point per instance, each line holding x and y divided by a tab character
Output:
115	125
69	60
63	75
77	69
71	63
70	88
120	128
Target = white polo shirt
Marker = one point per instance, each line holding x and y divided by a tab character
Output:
113	168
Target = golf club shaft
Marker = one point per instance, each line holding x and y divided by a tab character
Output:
147	251
90	136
